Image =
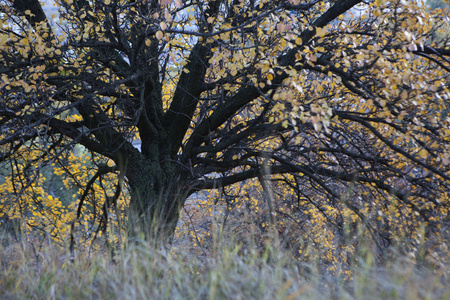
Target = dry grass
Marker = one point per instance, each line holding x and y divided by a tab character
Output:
148	272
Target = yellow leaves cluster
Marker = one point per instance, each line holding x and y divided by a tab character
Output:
43	210
44	213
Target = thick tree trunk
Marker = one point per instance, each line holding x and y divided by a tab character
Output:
157	197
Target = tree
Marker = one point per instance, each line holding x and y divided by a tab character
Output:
344	97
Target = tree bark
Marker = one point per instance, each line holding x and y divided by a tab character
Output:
157	196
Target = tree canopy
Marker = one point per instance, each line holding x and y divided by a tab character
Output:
342	104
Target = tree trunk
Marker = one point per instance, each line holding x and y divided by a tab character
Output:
157	197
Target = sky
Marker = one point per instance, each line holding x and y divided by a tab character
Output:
50	9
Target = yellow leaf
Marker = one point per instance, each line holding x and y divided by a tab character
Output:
423	153
148	42
311	57
167	16
280	27
445	161
320	32
178	3
159	34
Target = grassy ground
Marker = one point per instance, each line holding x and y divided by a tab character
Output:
146	272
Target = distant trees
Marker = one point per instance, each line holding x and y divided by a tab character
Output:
436	4
342	105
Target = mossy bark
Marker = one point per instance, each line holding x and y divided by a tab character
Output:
157	196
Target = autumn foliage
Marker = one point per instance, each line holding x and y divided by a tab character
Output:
322	126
